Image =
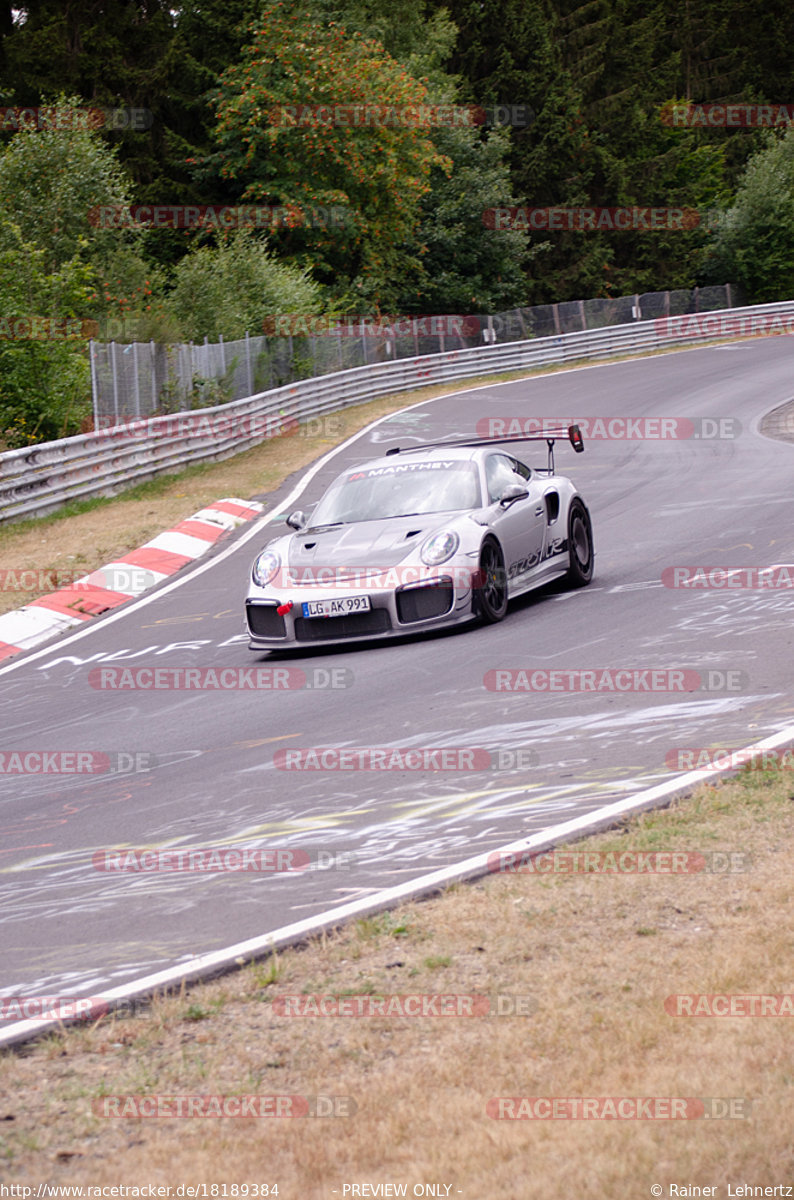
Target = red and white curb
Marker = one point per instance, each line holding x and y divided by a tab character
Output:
123	579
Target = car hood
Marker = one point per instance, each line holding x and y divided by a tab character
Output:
366	545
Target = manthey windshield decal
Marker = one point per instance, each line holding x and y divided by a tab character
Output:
402	468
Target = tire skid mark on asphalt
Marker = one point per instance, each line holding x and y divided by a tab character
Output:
70	866
440	851
393	807
447	849
66	983
397	809
723	613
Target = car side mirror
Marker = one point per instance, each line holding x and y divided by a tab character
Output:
513	492
297	519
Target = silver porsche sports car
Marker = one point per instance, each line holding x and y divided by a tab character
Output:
425	537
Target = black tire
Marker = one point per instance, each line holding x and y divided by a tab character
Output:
580	546
490	596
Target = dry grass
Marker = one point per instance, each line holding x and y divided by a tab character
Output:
597	955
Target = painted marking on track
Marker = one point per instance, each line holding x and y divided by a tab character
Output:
225	612
176	620
252	743
233	549
579	592
636	587
127	655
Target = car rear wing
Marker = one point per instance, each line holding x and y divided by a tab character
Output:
572	433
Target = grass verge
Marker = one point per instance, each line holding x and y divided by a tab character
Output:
595	954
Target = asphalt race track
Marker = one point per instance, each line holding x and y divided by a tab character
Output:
68	928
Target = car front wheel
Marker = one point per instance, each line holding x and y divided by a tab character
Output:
490	595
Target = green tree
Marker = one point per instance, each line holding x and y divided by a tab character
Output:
596	74
147	65
753	245
61	187
457	263
453	262
53	182
375	176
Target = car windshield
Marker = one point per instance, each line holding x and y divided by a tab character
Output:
376	493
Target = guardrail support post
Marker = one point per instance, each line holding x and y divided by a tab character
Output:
135	379
94	389
115	384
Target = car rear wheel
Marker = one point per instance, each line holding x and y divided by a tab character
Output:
580	546
490	596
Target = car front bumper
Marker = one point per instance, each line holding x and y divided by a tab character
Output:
395	612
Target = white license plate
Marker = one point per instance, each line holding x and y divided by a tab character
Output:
340	607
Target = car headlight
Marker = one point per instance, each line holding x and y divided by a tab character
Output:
438	548
265	568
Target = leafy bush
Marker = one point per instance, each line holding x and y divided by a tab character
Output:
45	379
228	289
754	242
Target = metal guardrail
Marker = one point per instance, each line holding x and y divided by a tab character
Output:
36	480
132	379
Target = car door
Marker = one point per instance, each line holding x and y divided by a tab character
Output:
520	525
